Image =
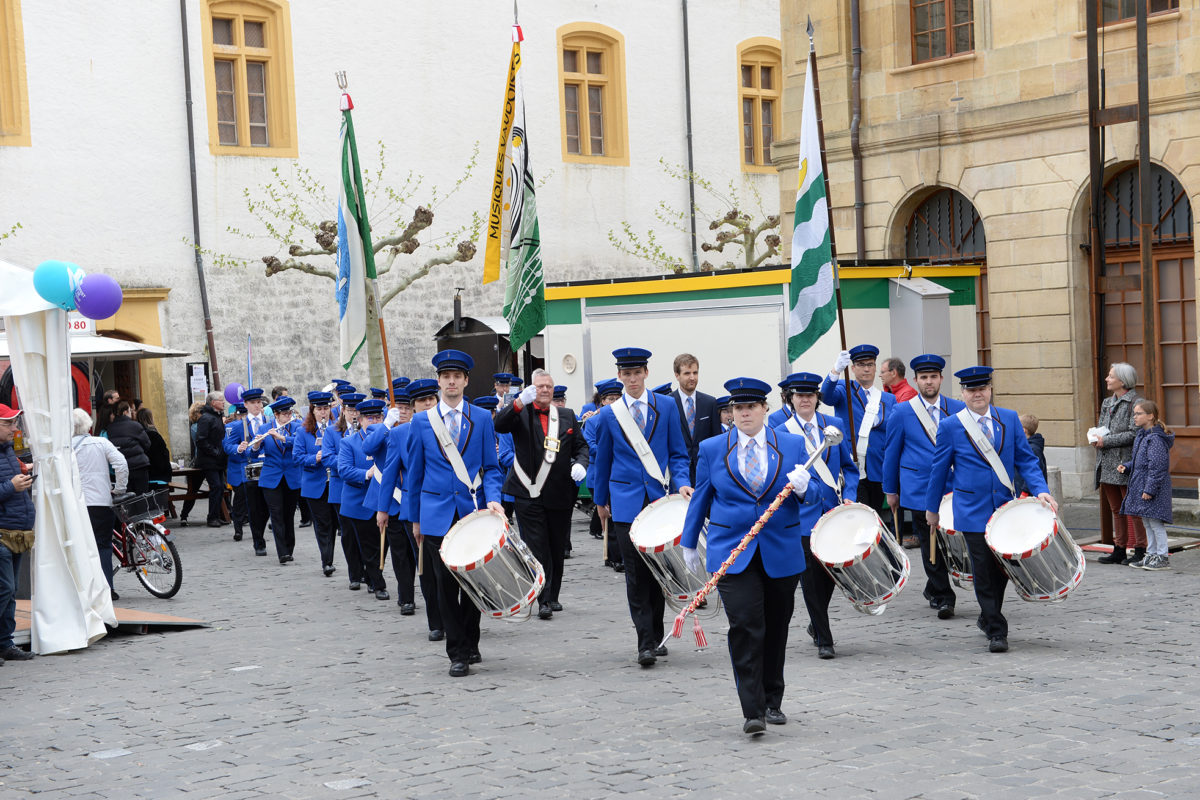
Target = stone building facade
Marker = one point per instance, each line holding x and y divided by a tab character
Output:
974	147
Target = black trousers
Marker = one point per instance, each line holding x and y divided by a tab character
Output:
990	582
818	590
429	586
368	548
323	529
240	513
646	602
404	557
194	481
139	480
259	514
547	531
759	609
305	511
460	617
103	521
937	578
613	553
215	479
350	550
281	504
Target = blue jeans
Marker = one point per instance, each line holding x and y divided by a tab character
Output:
10	565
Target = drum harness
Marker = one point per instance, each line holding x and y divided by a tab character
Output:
870	412
442	434
984	445
637	440
551	445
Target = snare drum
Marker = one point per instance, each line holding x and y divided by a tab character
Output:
253	470
1035	549
493	566
952	546
861	556
655	533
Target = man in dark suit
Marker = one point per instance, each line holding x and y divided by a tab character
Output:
549	456
698	415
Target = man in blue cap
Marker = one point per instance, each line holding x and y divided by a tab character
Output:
835	480
331	449
501	381
724	413
872	409
697	413
280	479
985	446
452	472
912	434
640	457
560	396
235	470
358	469
423	393
246	440
315	474
607	391
385	495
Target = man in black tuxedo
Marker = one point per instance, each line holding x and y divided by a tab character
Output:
697	411
549	456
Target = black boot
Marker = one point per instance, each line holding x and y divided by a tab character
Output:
1137	555
1116	557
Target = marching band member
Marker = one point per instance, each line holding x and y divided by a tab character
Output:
725	413
626	482
424	396
697	414
390	512
738	476
872	409
357	470
501	382
452	471
549	457
985	446
782	414
331	449
835	478
607	391
560	396
280	479
246	440
235	469
911	438
307	451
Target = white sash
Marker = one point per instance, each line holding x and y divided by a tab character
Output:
918	405
793	425
870	412
822	468
442	434
637	440
535	487
985	446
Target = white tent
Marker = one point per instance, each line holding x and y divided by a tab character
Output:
71	601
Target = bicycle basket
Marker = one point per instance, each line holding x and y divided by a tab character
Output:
143	506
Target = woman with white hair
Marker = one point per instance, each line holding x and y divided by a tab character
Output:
1113	448
95	455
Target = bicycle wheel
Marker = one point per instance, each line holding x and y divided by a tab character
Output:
155	559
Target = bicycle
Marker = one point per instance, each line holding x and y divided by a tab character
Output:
143	546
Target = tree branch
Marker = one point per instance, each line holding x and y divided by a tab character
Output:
275	266
464	252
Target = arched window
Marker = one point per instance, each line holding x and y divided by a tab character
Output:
14	102
946	229
248	71
591	71
759	78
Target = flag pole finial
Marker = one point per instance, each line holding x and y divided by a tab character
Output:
341	79
810	34
515	20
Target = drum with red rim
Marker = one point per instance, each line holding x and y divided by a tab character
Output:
493	566
1035	549
952	546
655	533
861	556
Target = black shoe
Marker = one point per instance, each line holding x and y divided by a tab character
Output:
459	669
382	594
15	654
474	658
544	612
618	567
283	562
237	536
998	644
212	523
182	522
826	651
555	605
407	609
355	586
113	593
436	635
945	611
328	569
755	726
979	624
660	651
646	658
260	552
1137	555
567	554
1115	557
289	558
775	717
812	634
304	523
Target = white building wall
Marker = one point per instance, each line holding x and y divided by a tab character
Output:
105	183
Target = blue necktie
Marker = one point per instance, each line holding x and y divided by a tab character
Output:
755	473
986	422
638	417
808	431
454	426
691	415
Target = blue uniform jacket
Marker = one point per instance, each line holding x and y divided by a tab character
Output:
331	444
278	467
778	417
591	428
353	463
620	480
724	497
235	464
821	497
834	395
313	474
435	494
378	445
505	453
909	452
977	490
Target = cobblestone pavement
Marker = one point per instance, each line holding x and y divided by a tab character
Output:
302	689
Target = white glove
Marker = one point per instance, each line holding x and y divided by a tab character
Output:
393	418
798	477
691	558
578	472
843	361
527	395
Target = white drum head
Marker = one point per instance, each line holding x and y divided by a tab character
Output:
946	513
845	533
472	538
660	523
1020	525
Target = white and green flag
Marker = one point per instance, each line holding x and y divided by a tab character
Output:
811	305
355	256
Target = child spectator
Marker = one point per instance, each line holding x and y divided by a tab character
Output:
1149	494
1036	443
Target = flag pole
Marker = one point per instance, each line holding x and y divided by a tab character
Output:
837	281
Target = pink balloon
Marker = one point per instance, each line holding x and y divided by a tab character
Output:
98	296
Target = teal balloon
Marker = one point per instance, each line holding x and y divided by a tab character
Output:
56	282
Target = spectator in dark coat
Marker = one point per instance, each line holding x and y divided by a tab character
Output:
1149	492
107	410
131	439
16	518
1037	443
210	453
160	456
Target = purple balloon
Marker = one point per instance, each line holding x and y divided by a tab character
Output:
98	296
233	393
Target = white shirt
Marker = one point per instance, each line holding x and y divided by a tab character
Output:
760	450
816	429
991	422
95	455
631	401
444	409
